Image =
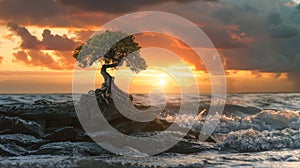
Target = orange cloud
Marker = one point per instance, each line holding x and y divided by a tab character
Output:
42	59
173	45
49	41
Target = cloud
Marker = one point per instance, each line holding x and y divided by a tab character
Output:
83	35
75	13
294	77
113	6
49	41
28	41
29	11
57	42
224	39
1	60
273	26
256	35
38	58
49	13
283	31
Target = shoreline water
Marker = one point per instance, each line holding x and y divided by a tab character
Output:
254	131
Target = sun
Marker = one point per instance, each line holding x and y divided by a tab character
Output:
162	83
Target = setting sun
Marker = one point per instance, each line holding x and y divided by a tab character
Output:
162	83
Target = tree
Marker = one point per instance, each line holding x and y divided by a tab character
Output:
112	48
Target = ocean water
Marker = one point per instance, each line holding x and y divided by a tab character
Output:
255	130
276	101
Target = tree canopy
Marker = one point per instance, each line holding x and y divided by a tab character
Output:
111	47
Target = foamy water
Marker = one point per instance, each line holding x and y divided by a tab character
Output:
255	130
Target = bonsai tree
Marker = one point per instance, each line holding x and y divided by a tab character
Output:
112	48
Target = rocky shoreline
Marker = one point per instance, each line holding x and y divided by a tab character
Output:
44	127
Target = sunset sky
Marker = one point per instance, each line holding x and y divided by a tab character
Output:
257	40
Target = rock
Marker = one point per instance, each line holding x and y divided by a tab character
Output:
128	126
21	140
43	102
90	104
11	149
72	149
63	134
44	112
157	125
12	125
187	147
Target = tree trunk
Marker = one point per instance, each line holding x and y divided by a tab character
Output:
107	78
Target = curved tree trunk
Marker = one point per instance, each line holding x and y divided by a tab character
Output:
107	78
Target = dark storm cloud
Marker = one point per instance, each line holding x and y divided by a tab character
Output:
274	26
276	37
77	13
115	6
221	38
47	13
49	41
274	18
28	10
283	31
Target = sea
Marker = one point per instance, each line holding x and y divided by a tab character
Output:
255	130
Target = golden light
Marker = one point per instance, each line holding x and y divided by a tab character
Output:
162	83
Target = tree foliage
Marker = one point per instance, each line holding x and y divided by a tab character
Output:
111	47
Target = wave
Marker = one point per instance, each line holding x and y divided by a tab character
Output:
254	141
250	123
31	98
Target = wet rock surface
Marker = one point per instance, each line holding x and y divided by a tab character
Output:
52	128
9	125
71	149
114	117
22	140
45	127
35	128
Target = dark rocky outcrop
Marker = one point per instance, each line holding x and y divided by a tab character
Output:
19	144
46	127
63	134
47	113
22	140
187	147
71	149
11	125
11	149
116	119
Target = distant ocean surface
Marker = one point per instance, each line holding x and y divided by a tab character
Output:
276	101
256	130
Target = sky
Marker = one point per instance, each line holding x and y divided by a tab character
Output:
258	42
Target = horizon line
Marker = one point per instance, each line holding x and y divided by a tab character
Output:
68	93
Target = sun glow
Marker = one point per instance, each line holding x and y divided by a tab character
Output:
162	83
